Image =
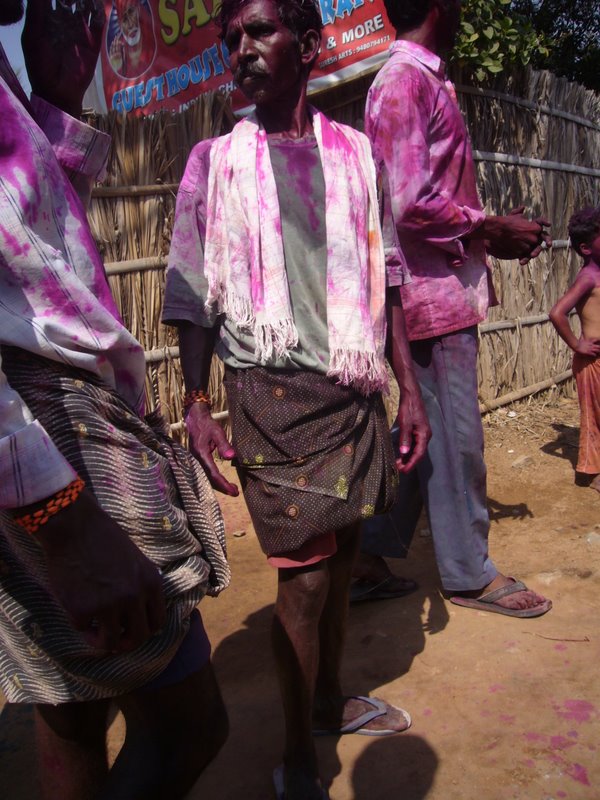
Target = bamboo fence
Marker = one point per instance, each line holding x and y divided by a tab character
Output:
536	140
131	215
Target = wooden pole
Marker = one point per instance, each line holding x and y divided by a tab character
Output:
526	391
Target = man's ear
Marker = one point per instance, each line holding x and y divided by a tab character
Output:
310	47
585	249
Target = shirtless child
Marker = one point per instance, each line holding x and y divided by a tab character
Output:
584	296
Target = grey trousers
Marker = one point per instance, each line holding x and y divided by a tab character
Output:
452	476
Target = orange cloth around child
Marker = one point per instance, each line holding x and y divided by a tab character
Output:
587	375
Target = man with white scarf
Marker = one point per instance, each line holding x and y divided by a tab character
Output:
277	264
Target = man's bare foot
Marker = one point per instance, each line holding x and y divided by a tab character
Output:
517	601
505	595
369	716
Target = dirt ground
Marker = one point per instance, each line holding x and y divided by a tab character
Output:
502	708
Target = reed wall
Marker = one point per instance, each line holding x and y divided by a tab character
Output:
537	143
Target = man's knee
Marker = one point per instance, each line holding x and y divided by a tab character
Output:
303	592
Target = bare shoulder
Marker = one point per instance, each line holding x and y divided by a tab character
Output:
589	277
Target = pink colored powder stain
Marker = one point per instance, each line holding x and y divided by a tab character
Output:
560	647
578	773
531	736
427	712
561	743
496	687
577	710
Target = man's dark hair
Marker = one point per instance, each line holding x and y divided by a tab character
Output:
584	227
406	15
297	15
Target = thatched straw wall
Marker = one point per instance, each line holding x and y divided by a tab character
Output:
131	216
550	128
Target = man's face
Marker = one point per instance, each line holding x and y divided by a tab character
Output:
130	25
265	55
11	11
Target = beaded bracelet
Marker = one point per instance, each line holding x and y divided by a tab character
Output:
195	396
63	498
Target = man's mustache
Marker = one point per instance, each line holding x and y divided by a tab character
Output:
248	72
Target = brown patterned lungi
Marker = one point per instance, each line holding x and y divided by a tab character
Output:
312	455
157	493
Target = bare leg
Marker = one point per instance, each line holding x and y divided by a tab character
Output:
334	620
332	708
172	734
300	600
71	749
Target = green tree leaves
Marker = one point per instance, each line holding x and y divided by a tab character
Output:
492	36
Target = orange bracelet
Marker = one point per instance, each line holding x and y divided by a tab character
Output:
195	396
33	521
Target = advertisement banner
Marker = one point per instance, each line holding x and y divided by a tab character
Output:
161	54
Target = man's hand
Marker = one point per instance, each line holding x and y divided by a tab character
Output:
414	430
110	590
61	50
515	236
588	347
206	435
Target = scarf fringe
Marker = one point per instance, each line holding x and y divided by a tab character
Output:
362	370
275	337
279	337
234	306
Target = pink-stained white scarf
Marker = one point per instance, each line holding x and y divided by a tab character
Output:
244	255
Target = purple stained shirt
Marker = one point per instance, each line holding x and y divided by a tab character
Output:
423	155
54	297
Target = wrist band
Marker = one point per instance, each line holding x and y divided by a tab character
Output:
195	396
63	498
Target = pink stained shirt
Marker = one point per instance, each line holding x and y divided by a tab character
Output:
54	297
431	205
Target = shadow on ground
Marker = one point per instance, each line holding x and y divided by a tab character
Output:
384	637
401	766
499	511
565	445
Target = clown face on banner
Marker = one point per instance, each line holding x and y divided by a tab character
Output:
130	38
